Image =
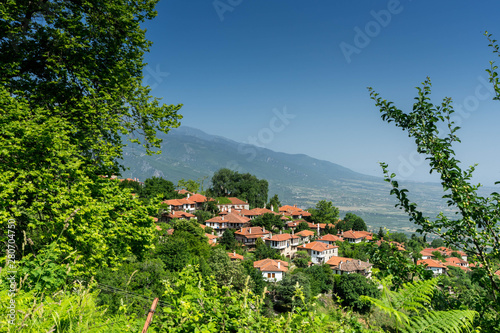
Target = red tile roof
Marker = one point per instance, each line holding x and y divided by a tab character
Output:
179	215
270	265
234	255
252	232
281	237
178	202
330	238
236	201
317	246
198	198
348	264
229	218
352	234
305	233
431	263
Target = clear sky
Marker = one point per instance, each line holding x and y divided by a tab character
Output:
291	75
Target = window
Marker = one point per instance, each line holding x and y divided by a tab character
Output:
269	275
273	275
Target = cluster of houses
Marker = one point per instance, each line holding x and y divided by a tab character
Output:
235	214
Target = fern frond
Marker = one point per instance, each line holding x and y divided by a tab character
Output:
388	308
416	295
442	322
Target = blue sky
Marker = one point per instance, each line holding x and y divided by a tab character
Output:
291	76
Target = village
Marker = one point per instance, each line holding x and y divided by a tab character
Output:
321	247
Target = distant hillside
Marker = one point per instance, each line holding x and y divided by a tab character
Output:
297	178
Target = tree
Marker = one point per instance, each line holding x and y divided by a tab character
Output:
202	215
135	186
302	226
437	242
356	222
349	287
399	237
274	203
71	88
475	229
52	57
157	186
301	259
225	271
227	240
324	212
189	185
286	290
226	182
264	251
321	278
269	221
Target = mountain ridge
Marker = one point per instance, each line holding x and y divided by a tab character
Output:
191	153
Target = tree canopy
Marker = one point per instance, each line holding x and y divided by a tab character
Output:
475	229
324	212
228	183
70	91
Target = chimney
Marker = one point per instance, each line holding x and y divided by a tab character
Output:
318	229
250	230
234	253
263	229
280	231
279	264
222	217
340	265
272	208
359	262
292	232
229	210
189	194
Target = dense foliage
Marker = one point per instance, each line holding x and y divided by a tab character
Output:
228	183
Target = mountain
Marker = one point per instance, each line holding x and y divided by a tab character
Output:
299	179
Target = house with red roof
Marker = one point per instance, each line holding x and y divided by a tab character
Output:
183	204
445	251
293	211
427	254
353	236
248	236
198	200
212	239
180	215
436	266
320	252
253	213
234	204
235	256
272	270
457	262
305	236
330	239
227	221
286	244
342	265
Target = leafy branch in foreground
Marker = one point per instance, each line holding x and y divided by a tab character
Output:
410	308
